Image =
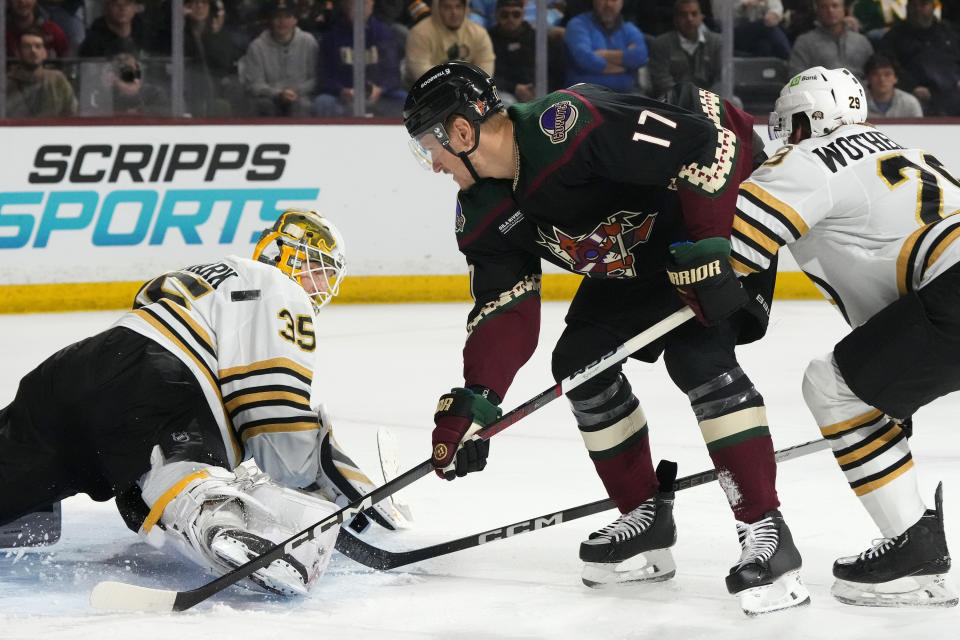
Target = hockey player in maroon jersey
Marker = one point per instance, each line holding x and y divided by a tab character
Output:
633	194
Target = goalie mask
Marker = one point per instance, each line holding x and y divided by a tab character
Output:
828	97
450	89
309	249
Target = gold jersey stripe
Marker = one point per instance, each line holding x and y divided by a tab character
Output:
852	423
887	479
762	239
870	447
285	427
157	509
903	259
273	363
799	225
941	246
248	398
188	319
214	384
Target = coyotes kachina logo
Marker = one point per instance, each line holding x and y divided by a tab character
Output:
607	251
558	120
460	221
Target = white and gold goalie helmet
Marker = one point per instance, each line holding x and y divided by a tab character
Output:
309	249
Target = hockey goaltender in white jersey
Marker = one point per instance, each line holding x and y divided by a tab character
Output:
873	225
212	367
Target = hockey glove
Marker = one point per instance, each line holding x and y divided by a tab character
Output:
702	274
461	414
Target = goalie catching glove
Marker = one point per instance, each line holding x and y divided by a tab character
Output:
460	415
702	274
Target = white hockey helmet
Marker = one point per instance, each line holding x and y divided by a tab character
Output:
829	98
309	249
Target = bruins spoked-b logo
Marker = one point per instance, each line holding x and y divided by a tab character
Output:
558	120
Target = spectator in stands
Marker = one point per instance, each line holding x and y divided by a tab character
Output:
35	92
447	35
279	70
401	14
118	30
124	91
926	54
875	17
315	16
513	44
25	14
603	48
757	29
883	98
71	17
382	66
211	59
485	13
832	44
689	53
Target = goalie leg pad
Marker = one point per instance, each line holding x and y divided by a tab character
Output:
220	520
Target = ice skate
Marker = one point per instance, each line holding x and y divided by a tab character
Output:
285	576
767	578
909	570
633	548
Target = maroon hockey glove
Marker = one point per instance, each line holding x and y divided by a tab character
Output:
460	414
702	274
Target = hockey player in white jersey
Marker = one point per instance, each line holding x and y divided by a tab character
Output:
872	224
212	367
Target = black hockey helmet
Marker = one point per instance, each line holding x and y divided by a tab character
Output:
448	89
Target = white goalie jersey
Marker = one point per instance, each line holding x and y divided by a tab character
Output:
246	331
866	219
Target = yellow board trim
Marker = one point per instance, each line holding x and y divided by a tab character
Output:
157	510
887	479
103	296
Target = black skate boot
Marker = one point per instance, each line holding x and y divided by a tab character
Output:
767	577
906	570
636	546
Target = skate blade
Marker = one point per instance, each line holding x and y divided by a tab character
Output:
785	592
912	591
654	566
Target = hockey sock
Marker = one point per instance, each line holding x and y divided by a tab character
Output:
733	421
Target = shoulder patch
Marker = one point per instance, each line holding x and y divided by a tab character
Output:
558	120
461	220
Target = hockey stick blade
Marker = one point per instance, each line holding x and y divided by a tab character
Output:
383	559
132	597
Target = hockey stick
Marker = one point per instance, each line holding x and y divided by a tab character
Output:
383	559
122	596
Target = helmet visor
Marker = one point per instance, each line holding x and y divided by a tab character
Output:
425	146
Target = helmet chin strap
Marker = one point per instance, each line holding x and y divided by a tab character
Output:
463	155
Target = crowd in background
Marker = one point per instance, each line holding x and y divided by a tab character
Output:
278	58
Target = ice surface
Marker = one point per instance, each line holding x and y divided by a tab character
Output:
385	366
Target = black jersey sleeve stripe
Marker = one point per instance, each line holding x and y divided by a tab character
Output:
190	325
823	284
867	453
297	419
263	367
753	243
907	258
299	391
773	207
278	427
178	339
251	403
742	265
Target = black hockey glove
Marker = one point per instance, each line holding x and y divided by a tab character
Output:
460	414
702	274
